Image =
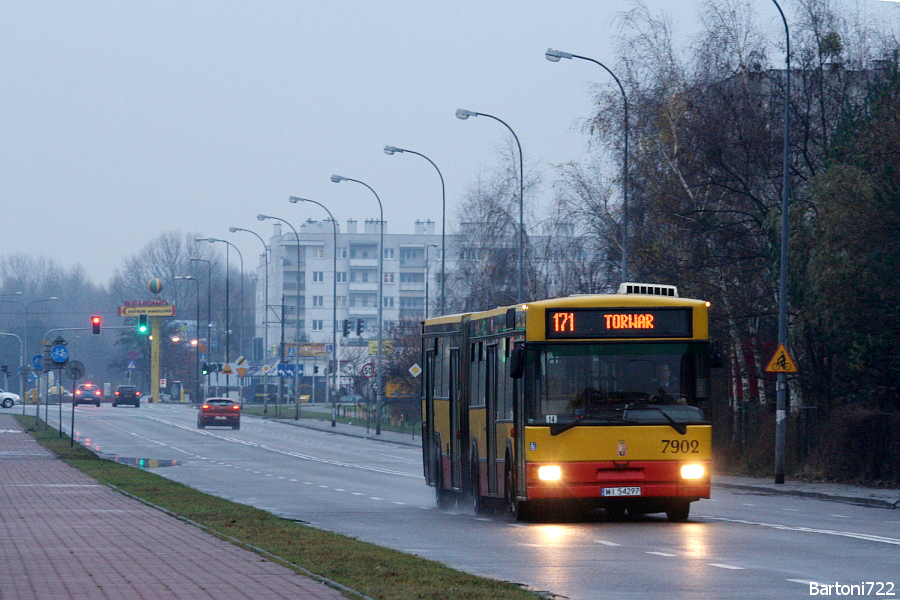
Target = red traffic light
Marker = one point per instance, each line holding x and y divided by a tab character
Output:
95	324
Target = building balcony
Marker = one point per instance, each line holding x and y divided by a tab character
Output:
357	286
412	287
363	311
370	263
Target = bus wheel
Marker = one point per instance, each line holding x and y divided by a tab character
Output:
678	511
478	503
520	510
441	495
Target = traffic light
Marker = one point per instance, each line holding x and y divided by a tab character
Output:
143	327
204	369
95	324
359	326
315	370
346	327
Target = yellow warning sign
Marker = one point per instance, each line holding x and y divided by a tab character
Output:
781	362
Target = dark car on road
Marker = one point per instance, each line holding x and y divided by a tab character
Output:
219	411
87	393
127	394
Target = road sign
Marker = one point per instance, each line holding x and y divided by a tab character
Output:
36	361
329	348
226	369
368	371
75	369
781	362
132	354
131	365
285	370
59	354
415	370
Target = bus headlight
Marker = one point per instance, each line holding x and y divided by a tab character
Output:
692	471
549	473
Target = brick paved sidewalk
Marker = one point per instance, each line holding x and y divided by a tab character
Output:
65	536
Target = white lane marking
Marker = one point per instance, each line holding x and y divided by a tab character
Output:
605	543
800	581
324	487
791	509
746	504
328	461
357	493
849	534
339	490
375	498
399	503
840	516
721	566
662	554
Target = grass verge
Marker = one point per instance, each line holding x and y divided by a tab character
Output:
374	571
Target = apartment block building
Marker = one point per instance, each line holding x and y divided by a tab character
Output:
302	267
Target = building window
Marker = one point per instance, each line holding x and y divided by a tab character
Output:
412	277
388	301
341	301
318	252
342	253
341	277
318	276
317	325
318	300
388	253
389	278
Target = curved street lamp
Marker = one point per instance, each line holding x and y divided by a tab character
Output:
390	151
297	349
379	376
197	372
265	312
25	306
331	399
208	310
781	384
554	56
465	114
228	300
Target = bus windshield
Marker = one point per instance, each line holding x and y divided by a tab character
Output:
615	383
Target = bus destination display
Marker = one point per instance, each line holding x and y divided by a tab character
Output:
619	323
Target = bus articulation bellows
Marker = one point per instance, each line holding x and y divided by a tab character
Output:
593	401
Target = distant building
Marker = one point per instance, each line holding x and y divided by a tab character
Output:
405	276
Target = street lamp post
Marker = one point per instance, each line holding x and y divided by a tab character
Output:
265	313
391	150
379	376
331	398
228	301
554	56
197	372
208	312
781	384
25	306
465	114
297	348
426	278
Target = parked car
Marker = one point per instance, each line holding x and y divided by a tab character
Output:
127	394
219	411
8	399
87	393
58	391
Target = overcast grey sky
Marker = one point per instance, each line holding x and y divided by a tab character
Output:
123	120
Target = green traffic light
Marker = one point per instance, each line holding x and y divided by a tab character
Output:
143	327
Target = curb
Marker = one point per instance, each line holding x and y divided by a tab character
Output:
868	502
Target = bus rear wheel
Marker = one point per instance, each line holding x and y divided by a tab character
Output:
441	496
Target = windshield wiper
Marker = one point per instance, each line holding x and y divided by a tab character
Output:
679	427
558	428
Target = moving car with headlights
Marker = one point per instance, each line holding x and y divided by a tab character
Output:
8	399
127	394
219	412
87	393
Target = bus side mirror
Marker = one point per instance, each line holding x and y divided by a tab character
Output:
715	356
517	363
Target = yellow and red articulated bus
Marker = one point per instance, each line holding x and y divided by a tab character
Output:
576	403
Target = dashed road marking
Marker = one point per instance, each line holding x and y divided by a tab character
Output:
605	543
662	554
723	566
